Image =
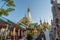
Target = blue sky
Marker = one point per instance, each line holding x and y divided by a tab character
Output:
40	9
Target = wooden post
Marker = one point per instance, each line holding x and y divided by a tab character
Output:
6	27
19	34
13	34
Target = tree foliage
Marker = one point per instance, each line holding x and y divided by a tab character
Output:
10	7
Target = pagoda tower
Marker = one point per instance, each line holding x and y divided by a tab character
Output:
29	15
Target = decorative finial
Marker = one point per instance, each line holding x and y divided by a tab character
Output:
29	6
40	21
25	15
28	9
44	21
47	22
52	1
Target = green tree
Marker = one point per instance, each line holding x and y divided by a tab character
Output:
9	7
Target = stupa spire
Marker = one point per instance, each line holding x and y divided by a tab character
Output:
29	14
